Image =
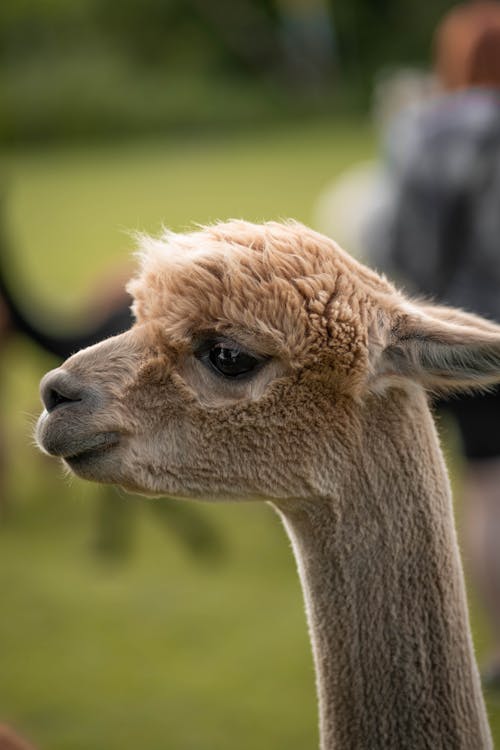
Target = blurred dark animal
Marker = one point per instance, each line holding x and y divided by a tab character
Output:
107	314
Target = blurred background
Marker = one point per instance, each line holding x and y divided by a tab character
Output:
128	623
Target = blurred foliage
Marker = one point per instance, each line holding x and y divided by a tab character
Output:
384	33
94	67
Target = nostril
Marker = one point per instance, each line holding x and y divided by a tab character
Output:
58	388
53	398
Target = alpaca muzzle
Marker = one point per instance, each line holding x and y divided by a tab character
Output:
68	428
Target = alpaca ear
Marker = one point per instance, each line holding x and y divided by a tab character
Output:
442	348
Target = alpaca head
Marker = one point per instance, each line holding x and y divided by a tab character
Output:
254	351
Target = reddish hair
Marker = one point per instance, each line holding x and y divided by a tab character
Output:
467	46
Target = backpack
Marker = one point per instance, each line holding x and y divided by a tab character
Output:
444	238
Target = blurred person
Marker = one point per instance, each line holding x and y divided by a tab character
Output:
346	204
439	234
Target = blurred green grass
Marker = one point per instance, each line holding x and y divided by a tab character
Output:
164	650
71	208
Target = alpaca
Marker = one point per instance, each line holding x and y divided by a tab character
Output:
267	364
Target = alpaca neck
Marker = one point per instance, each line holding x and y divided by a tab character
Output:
384	594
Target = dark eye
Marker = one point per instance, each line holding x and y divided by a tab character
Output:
231	361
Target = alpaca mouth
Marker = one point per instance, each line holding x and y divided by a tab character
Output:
96	446
78	461
70	441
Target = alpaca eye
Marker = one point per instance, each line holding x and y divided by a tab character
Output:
231	361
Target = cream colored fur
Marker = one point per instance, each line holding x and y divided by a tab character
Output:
334	429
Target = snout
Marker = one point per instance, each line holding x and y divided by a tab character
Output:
72	425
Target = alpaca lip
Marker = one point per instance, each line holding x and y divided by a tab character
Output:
71	440
86	457
93	446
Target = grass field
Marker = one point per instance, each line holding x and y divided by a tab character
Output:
163	648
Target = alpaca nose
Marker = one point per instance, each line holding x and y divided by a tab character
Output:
59	387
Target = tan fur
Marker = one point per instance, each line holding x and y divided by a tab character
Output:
334	429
